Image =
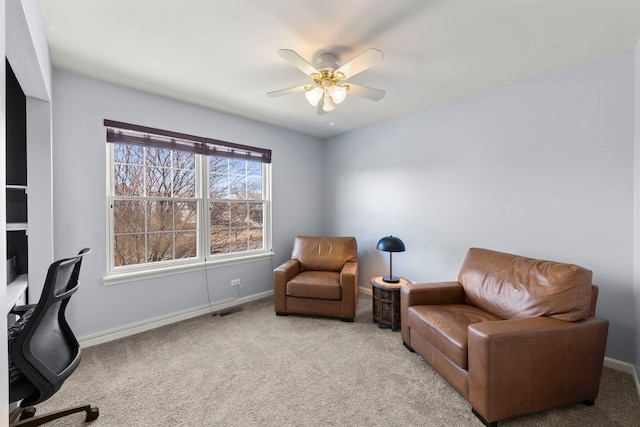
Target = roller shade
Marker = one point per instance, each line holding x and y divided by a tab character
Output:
126	133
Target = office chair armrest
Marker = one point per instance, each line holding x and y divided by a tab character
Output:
21	309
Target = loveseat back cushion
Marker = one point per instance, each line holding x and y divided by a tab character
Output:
324	253
512	286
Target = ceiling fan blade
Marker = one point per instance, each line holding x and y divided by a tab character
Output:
297	61
365	92
288	91
361	62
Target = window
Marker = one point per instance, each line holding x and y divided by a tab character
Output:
176	199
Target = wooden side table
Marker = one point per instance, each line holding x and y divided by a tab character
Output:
386	302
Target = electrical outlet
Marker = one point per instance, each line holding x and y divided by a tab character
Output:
235	282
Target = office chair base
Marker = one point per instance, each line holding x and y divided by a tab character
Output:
27	418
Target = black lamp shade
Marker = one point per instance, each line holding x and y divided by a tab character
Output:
391	244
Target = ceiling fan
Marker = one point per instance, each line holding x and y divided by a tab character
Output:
329	87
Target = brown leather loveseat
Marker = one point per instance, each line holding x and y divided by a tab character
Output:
513	335
321	278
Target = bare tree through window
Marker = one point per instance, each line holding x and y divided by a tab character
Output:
236	205
155	209
157	198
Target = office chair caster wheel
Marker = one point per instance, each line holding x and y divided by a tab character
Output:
28	412
92	414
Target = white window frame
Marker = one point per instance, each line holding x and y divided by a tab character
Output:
203	259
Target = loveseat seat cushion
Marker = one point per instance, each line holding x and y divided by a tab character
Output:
324	253
511	286
315	284
445	327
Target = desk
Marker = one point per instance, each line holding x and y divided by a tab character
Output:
16	291
386	302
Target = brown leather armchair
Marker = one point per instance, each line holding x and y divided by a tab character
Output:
513	335
320	279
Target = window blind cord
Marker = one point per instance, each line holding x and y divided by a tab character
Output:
206	282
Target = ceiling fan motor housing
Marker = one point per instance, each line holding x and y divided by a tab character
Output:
327	61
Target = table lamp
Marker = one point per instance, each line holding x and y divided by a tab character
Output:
391	244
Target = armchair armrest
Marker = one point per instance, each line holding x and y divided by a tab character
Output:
349	284
281	275
349	274
426	294
534	364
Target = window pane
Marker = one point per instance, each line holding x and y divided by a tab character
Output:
186	245
254	188
236	224
254	169
239	214
158	182
158	157
220	238
238	187
128	216
131	154
160	215
184	160
239	239
237	167
184	183
128	180
128	249
186	216
184	178
218	165
220	214
256	215
256	238
159	247
219	186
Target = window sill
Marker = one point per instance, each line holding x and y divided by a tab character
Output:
150	273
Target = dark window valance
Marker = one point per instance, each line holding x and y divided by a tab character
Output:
119	132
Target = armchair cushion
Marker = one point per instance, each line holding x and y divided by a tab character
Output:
512	286
315	284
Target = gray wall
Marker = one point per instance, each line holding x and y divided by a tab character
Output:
79	106
542	168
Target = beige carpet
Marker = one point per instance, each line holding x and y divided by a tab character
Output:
253	368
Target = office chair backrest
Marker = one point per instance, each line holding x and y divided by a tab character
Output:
46	351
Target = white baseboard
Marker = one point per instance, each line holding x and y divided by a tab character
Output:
365	290
619	365
146	325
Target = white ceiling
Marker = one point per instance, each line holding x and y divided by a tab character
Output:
222	54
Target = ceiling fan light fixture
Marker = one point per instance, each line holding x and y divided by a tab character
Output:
338	93
328	104
329	87
314	95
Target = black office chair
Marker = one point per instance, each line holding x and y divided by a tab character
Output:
43	352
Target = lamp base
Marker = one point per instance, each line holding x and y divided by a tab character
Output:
391	279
